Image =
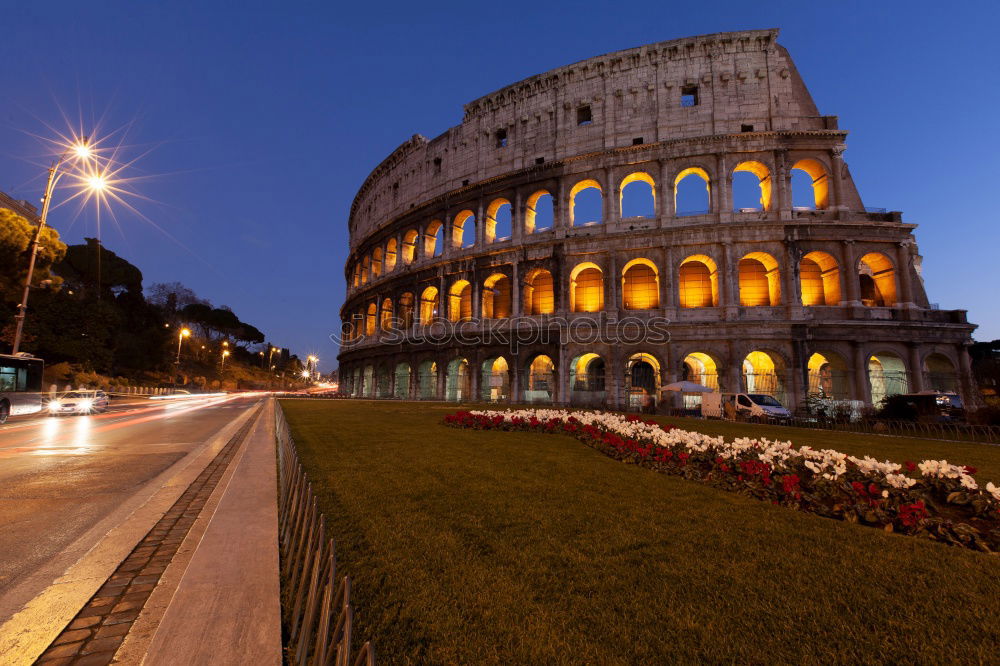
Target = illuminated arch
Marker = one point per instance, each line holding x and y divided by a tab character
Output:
496	297
490	228
385	316
458	381
640	285
433	245
540	380
427	380
819	278
577	189
428	306
877	275
586	288
887	376
820	181
698	282
460	301
539	293
368	382
376	262
587	381
356	276
366	266
459	228
764	373
827	376
494	385
760	281
696	172
763	178
406	310
637	177
531	210
390	255
642	380
410	246
370	319
701	368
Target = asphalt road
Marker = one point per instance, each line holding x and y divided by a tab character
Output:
59	476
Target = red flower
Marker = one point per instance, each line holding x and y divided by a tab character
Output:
911	514
789	483
910	465
970	470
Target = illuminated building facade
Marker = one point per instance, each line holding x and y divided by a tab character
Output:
473	274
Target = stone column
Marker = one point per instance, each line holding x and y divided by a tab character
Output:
916	373
475	370
515	290
966	378
837	165
517	216
791	286
613	303
560	206
859	364
611	211
781	195
448	237
850	272
670	277
665	203
722	190
515	378
562	372
903	261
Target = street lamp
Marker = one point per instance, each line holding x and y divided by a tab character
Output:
225	353
180	338
80	151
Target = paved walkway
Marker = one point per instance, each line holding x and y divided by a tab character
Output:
201	586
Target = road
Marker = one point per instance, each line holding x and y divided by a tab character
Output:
61	476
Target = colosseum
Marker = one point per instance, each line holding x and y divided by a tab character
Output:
677	211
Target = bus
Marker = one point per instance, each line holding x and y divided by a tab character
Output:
20	385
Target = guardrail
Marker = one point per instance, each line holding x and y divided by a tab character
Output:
316	608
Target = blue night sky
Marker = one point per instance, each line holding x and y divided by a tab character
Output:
258	121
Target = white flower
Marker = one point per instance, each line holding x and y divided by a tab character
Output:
993	490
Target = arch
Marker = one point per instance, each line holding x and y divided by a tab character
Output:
640	199
498	221
409	249
587	381
940	374
495	380
390	255
688	199
463	229
496	297
698	282
376	262
887	376
370	319
434	239
460	301
827	376
817	197
642	381
382	381
764	373
587	213
428	306
368	382
586	288
640	285
385	316
366	266
819	279
877	276
406	310
763	175
539	212
457	382
539	293
701	368
401	388
539	385
427	381
760	281
356	275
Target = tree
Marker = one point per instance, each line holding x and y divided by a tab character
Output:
15	236
92	267
172	297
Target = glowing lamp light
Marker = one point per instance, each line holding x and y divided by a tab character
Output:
185	332
97	183
305	373
82	151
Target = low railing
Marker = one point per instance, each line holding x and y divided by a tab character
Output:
315	607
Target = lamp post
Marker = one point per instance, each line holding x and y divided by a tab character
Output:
95	182
180	338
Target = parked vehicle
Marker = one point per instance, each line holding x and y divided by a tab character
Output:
20	385
748	406
79	402
934	406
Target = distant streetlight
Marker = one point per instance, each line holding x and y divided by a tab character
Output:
82	151
225	353
183	333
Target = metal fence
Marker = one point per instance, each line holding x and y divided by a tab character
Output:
315	605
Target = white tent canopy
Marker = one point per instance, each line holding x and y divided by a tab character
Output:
688	387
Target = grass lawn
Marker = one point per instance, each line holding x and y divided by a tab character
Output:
518	548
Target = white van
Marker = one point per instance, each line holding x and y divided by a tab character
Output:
753	406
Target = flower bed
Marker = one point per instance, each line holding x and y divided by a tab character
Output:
934	499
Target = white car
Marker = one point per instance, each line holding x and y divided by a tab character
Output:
79	402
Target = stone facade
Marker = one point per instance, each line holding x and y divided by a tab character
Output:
823	300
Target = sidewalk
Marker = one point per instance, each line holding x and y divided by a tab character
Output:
219	600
